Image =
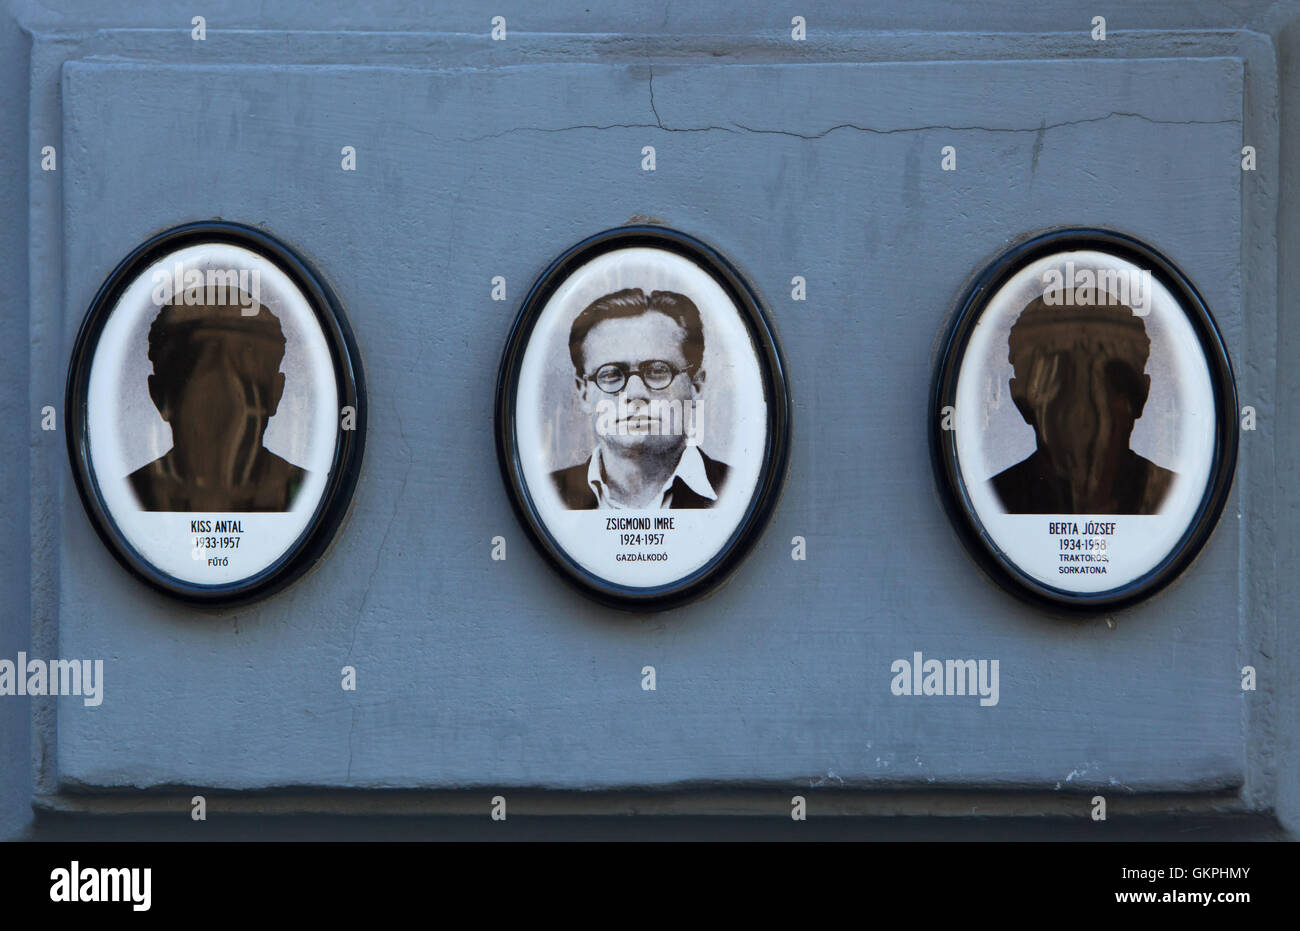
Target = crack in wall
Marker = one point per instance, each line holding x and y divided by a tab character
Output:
653	109
379	558
741	128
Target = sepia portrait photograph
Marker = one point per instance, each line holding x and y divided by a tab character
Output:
212	412
641	393
1083	393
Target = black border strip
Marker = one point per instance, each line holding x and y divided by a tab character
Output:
776	453
943	448
344	468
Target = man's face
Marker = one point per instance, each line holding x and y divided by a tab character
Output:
639	418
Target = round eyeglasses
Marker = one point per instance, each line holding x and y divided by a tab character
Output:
656	373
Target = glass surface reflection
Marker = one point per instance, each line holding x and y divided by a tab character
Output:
217	382
1079	382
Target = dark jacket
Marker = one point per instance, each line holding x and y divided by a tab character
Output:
577	495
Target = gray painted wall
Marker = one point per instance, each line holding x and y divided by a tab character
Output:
479	158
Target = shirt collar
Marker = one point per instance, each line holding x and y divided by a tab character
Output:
690	469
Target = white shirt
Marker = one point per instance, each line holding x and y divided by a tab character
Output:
690	469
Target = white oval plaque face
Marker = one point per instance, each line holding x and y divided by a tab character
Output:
644	416
1086	435
208	390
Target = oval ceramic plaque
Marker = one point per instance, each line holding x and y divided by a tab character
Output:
1085	431
643	416
216	416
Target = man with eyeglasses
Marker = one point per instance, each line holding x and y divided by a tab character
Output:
638	372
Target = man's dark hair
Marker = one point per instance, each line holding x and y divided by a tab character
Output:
632	302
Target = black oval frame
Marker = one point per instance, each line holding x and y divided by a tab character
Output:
943	448
776	453
345	467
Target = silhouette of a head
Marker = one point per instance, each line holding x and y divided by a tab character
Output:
216	376
1080	383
